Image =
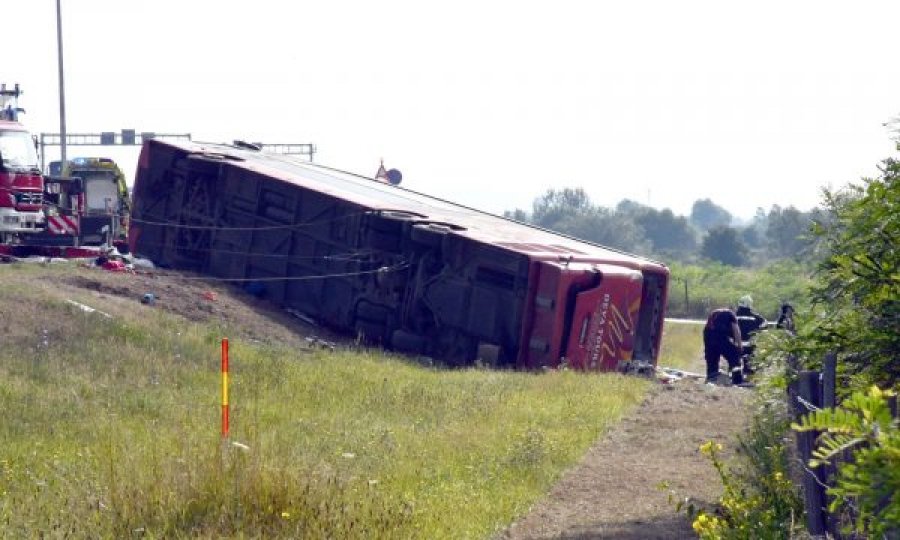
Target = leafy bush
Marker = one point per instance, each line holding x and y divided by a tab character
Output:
857	291
870	482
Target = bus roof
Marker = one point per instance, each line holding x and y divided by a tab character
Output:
372	194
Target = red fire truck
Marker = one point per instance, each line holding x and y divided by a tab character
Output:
21	183
84	204
397	267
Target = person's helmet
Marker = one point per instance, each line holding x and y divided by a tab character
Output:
786	306
745	301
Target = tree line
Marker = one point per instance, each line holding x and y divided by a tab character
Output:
709	233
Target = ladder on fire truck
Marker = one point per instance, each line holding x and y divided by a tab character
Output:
9	102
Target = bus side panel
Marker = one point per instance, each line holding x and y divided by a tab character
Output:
477	297
396	280
330	246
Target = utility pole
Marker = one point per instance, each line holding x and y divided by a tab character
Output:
62	91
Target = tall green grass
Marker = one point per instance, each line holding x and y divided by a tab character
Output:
682	346
110	429
715	285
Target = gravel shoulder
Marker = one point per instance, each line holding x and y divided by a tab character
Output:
613	492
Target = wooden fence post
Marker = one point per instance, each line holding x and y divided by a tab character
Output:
829	472
829	380
814	391
813	485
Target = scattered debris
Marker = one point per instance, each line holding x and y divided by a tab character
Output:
38	259
317	343
148	298
142	263
210	295
670	375
88	309
113	266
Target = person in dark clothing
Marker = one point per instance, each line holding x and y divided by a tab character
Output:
750	322
786	318
722	337
751	319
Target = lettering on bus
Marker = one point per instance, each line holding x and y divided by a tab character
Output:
610	343
602	311
620	331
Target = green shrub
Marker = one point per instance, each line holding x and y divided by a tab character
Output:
857	289
870	481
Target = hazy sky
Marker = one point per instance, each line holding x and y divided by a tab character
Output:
491	103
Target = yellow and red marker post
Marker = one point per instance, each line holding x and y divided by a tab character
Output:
224	388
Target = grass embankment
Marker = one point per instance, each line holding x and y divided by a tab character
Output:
682	346
111	429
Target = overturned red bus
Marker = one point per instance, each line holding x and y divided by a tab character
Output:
411	272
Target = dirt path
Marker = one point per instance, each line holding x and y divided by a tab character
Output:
613	492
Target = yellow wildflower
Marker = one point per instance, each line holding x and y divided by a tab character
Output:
709	447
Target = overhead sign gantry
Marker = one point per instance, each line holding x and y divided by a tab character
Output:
131	137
